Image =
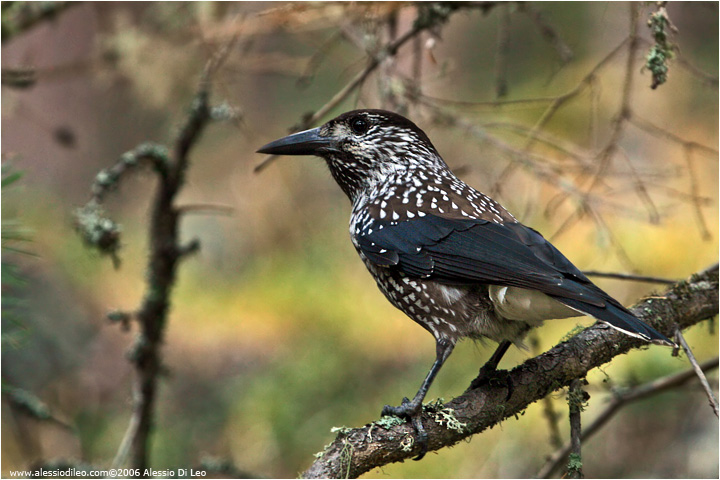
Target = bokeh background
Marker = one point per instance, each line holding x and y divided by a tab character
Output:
277	333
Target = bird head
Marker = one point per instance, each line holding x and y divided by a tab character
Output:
364	149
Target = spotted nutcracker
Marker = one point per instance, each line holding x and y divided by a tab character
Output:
451	258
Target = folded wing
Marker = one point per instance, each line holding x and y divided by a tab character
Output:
468	251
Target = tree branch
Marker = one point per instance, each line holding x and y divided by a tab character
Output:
698	370
359	450
165	253
430	14
576	403
19	17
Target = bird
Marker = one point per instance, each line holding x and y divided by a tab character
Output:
448	256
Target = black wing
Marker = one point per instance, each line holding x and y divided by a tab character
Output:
466	251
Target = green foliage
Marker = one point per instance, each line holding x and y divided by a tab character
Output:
14	331
13	238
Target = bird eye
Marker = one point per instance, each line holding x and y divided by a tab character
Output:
359	125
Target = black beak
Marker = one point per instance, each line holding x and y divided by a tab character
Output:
309	142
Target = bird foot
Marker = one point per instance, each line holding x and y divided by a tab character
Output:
413	412
490	375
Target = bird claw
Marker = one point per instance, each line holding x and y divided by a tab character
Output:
405	409
413	412
493	377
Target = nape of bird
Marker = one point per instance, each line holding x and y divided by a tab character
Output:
451	258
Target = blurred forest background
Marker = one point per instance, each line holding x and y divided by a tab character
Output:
276	332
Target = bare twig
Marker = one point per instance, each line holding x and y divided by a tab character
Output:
317	58
550	174
576	401
549	412
548	32
698	371
706	78
689	148
602	226
606	155
654	130
641	190
620	399
694	189
555	104
206	208
501	55
438	14
492	104
628	276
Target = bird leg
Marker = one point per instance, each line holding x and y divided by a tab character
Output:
412	409
489	371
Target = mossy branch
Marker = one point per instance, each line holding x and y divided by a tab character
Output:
170	166
686	303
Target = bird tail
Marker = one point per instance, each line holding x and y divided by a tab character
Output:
619	318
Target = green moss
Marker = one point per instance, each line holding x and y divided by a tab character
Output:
574	463
575	330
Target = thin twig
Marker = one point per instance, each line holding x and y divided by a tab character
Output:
549	412
415	85
694	188
698	371
373	62
641	190
706	78
652	129
605	157
501	55
491	104
548	32
629	276
555	105
317	58
620	399
206	208
603	227
575	403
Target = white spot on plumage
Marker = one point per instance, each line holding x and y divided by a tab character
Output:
450	294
